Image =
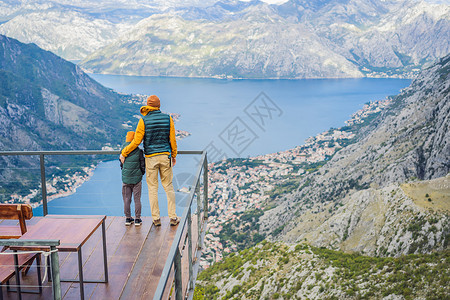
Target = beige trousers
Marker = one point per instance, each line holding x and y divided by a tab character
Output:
160	164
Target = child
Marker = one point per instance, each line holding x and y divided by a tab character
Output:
133	169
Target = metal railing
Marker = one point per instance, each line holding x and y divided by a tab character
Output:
54	262
42	155
174	257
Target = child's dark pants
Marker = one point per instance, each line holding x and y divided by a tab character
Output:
129	190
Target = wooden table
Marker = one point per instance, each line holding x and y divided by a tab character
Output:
73	232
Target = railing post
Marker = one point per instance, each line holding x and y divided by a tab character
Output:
105	255
189	232
199	207
56	280
43	185
178	283
205	187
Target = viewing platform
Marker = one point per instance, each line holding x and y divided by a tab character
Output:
141	262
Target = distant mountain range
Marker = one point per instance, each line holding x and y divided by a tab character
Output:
69	29
47	103
74	29
297	39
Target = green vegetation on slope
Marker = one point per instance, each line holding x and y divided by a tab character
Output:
280	271
243	231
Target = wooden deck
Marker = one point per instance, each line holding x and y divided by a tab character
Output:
136	258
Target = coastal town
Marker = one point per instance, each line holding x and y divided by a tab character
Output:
368	109
58	186
237	186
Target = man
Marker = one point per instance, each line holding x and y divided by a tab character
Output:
157	131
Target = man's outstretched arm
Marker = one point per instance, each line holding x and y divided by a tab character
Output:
173	142
138	136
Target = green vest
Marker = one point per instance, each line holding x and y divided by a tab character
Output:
157	133
131	170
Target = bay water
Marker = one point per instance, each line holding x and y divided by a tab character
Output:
228	118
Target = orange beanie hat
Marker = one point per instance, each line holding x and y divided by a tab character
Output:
130	136
153	101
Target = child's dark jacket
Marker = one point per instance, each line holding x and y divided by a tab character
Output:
134	166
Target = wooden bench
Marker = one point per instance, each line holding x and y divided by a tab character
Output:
20	212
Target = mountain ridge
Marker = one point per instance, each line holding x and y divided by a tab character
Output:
331	39
292	40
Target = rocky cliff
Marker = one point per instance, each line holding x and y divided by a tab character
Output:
47	103
386	194
41	91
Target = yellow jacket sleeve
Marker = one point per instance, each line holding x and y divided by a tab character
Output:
173	140
138	136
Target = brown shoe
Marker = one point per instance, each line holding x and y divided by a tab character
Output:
174	221
157	222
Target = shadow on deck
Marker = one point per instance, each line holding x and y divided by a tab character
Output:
136	258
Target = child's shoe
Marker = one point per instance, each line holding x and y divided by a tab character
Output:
128	221
137	222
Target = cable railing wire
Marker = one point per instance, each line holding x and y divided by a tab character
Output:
42	155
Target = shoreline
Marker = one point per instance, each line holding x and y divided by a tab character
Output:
72	183
218	77
75	181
